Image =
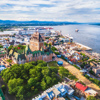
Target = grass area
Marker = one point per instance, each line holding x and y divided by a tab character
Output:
52	64
65	73
54	50
95	81
72	77
76	66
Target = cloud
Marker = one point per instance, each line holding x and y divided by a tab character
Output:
52	10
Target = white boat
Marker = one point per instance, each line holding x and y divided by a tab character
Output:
76	30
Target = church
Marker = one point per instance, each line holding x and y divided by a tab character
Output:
32	52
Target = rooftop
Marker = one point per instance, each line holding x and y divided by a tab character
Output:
54	91
91	91
37	36
80	86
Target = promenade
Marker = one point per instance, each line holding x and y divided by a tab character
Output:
77	73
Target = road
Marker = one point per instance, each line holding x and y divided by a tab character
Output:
77	73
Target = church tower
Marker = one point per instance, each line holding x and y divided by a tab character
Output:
36	42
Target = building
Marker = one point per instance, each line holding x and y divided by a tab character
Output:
90	92
86	90
36	42
96	69
2	52
57	92
93	64
33	52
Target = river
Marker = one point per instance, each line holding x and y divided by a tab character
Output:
88	35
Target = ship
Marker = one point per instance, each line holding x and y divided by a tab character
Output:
76	30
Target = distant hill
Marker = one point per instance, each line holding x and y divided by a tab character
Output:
96	23
12	22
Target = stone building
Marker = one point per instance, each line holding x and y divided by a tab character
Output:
33	52
96	69
36	42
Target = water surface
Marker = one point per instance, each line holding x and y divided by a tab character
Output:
88	34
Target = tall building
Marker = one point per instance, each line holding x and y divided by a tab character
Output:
33	52
36	42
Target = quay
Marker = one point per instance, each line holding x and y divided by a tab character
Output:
83	46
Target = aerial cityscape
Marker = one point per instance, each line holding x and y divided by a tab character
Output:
49	50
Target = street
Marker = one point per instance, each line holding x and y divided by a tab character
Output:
78	74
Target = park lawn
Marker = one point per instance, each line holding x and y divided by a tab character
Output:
52	64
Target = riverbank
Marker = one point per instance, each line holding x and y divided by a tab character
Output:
83	47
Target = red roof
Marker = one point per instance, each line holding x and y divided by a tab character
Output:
18	48
80	86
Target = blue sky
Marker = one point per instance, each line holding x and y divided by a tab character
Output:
50	10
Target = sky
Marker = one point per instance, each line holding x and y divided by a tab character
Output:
50	10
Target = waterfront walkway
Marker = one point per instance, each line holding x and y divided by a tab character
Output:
77	73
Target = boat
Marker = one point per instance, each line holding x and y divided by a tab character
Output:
76	30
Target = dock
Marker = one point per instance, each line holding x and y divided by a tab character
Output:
83	47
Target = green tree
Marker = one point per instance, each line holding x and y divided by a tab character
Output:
50	44
54	81
20	93
53	74
3	87
45	44
1	46
32	82
43	85
91	98
10	47
6	75
46	72
15	48
14	84
32	73
62	72
9	60
28	79
48	80
33	63
36	91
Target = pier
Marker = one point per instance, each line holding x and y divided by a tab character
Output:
83	47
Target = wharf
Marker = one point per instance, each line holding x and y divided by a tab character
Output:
83	47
